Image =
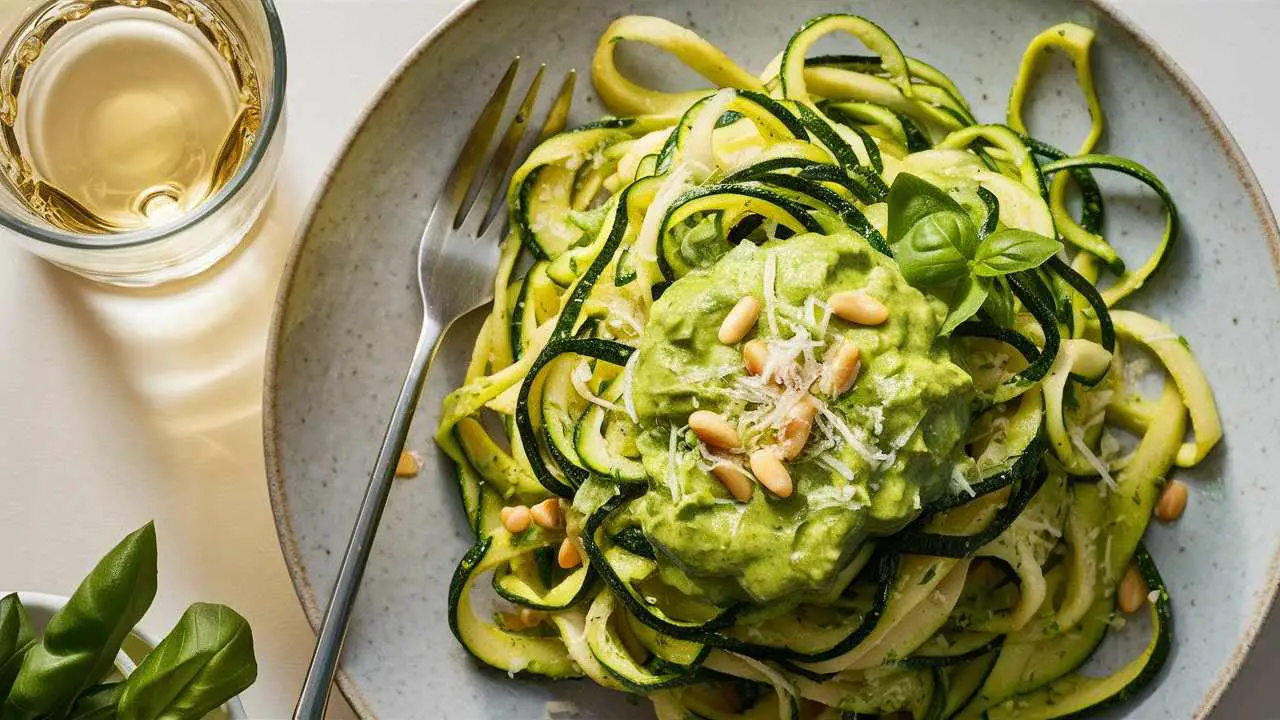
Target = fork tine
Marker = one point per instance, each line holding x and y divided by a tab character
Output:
473	151
557	115
504	156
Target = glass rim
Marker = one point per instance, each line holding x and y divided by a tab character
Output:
273	110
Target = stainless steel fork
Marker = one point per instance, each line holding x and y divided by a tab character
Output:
457	257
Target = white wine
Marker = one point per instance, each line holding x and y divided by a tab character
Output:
122	115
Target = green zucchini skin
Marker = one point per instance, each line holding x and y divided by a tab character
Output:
597	457
806	183
819	127
1106	328
673	267
1041	309
962	682
632	540
613	656
1076	697
962	546
580	582
505	650
1014	339
1023	467
696	632
941	661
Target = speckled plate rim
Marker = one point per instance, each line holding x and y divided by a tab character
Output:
311	605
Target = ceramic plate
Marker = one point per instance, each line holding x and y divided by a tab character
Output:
348	316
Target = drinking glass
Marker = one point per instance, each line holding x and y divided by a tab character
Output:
60	52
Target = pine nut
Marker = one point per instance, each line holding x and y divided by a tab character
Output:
408	464
842	369
568	556
547	514
767	465
795	429
1132	592
734	480
740	320
1172	502
515	519
858	307
714	430
530	617
754	356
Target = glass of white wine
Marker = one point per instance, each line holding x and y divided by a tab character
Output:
139	139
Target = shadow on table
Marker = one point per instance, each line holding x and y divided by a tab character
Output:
191	352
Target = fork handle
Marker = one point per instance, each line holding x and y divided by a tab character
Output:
314	697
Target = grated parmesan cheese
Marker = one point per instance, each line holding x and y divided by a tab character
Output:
624	320
672	187
820	322
1077	440
628	377
838	467
959	483
876	414
671	479
579	377
1108	446
699	150
856	440
905	436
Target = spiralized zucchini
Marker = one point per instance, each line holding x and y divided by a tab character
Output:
988	601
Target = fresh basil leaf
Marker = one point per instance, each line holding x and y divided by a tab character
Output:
97	703
1013	250
206	660
999	304
931	252
16	638
966	300
911	199
81	641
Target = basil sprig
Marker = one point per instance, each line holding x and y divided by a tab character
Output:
936	244
205	661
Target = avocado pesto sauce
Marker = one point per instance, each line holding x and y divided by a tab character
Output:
907	415
799	397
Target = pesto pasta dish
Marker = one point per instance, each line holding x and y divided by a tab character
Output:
810	395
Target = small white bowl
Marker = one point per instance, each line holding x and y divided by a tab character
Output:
41	608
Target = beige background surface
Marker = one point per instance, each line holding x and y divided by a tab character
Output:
121	406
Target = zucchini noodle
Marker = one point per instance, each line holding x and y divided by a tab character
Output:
995	580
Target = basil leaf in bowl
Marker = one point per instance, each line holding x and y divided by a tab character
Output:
81	641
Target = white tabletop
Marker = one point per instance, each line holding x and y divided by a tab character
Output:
117	407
